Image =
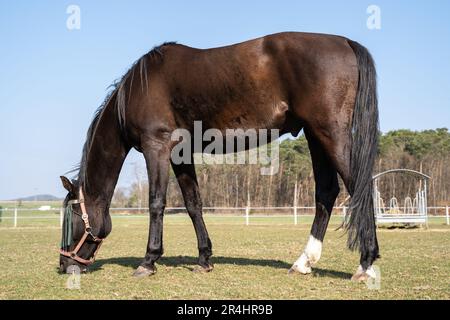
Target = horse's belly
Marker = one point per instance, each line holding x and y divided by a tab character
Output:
267	116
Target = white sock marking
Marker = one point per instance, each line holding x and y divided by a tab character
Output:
310	256
313	250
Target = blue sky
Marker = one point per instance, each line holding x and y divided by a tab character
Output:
52	79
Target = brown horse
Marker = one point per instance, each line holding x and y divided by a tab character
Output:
323	84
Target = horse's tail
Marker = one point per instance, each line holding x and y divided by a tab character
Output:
360	223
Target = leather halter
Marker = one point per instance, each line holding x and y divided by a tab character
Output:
87	232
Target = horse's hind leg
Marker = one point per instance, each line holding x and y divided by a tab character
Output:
336	141
327	189
187	180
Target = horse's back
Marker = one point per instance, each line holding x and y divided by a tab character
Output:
255	83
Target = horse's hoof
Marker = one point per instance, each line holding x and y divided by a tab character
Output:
360	277
203	269
142	271
299	269
363	275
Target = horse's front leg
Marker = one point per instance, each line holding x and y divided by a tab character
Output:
157	158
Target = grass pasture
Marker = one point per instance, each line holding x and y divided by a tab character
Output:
251	262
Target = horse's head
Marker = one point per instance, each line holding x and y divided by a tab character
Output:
83	228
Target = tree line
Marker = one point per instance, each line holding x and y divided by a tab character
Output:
227	185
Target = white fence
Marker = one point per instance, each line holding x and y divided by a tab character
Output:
11	217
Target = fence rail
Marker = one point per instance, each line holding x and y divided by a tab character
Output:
248	212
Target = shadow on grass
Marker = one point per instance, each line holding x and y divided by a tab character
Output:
189	261
134	262
317	272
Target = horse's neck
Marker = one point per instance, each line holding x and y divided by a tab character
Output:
105	159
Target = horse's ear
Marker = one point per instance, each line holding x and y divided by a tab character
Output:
67	184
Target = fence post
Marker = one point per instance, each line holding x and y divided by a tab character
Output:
15	217
447	215
61	216
344	211
247	209
295	204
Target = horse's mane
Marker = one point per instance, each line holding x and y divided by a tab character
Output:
117	95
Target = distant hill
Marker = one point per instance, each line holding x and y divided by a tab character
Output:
40	197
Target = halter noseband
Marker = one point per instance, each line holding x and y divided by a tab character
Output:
87	232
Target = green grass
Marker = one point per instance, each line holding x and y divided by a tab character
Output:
29	204
251	262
